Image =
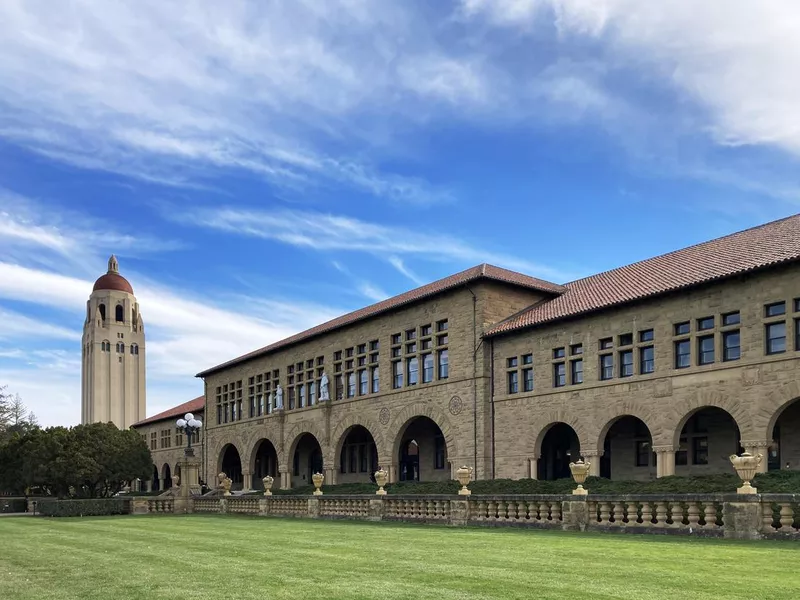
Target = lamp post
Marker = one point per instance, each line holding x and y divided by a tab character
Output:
190	426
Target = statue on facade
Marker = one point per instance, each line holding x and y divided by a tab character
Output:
279	398
323	388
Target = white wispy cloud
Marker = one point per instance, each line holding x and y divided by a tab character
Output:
398	264
323	231
17	326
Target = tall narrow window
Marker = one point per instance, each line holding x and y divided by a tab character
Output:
102	308
301	396
559	375
312	393
363	383
375	380
626	363
397	375
683	350
339	387
577	371
444	364
119	313
776	337
427	368
412	368
351	385
607	367
705	350
513	382
527	379
647	361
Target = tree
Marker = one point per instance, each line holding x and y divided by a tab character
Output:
14	415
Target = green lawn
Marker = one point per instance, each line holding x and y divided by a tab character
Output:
214	556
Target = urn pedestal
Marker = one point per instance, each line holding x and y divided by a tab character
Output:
464	475
580	471
381	477
267	481
317	479
746	466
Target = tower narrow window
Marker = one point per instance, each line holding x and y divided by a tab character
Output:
102	308
120	314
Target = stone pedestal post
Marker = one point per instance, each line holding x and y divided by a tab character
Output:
190	476
285	477
313	508
459	513
756	447
264	505
575	515
665	465
742	517
139	506
247	481
376	506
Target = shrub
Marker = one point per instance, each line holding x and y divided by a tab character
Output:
83	508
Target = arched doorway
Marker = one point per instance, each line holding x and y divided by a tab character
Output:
628	451
358	457
231	465
265	462
306	461
706	440
559	447
784	452
422	452
155	483
166	475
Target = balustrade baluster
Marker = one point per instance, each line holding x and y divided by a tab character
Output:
544	512
694	515
631	513
787	517
647	514
555	511
619	515
605	513
767	518
661	514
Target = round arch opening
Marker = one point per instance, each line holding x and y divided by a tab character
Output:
306	460
422	452
628	450
704	442
155	482
559	447
358	456
166	475
264	462
784	449
231	464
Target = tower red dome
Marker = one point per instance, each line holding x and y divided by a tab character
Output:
113	280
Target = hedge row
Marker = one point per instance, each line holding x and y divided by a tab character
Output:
13	505
774	482
51	507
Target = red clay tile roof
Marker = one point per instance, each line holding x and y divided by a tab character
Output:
191	406
483	271
749	250
112	281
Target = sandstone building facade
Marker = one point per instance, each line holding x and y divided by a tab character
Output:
113	353
666	366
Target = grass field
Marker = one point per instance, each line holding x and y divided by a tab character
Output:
241	557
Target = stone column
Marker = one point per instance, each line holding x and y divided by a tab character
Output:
755	447
161	481
666	460
247	481
393	472
593	458
285	477
330	475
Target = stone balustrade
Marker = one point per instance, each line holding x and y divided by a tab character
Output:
752	516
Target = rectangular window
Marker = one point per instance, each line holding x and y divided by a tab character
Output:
559	375
731	345
396	352
705	350
442	340
396	338
441	325
337	355
626	339
374	345
576	349
700	451
576	369
527	359
411	348
363	383
362	360
375	380
513	382
776	337
301	396
444	365
527	379
681	455
642	454
362	348
705	323
775	309
606	367
373	358
558	352
411	334
348	352
312	393
511	363
427	368
606	343
425	330
647	360
351	385
682	328
397	375
412	368
683	351
339	384
427	344
731	318
646	335
626	363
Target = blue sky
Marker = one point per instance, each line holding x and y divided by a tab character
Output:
260	167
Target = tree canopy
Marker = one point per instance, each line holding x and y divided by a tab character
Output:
14	415
84	461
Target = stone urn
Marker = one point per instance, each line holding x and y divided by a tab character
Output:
225	484
580	471
318	478
464	475
267	481
746	467
381	477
